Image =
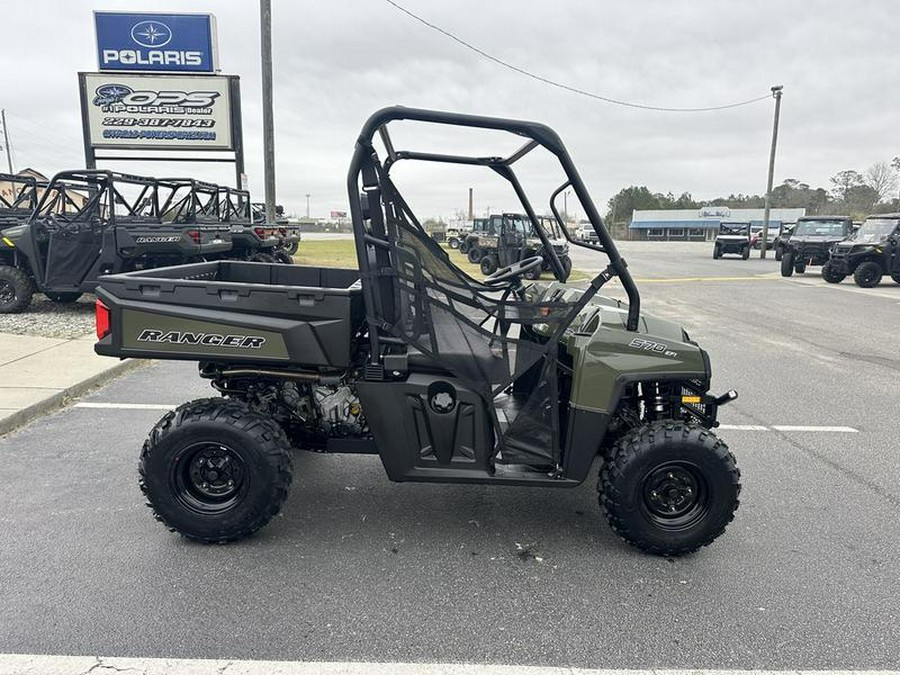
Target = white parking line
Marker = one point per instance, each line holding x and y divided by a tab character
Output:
28	664
835	430
100	405
125	406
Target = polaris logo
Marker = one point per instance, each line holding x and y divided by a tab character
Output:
151	57
205	339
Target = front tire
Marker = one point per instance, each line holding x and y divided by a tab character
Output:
779	253
293	248
831	274
488	265
214	471
787	264
745	254
567	266
868	274
669	488
16	289
453	243
474	255
717	252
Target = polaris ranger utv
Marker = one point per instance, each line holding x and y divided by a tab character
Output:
447	378
870	253
811	243
89	223
734	239
249	241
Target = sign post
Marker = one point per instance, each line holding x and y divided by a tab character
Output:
157	89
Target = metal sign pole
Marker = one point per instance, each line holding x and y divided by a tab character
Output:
265	14
776	92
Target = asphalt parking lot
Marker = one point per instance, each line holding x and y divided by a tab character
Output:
359	569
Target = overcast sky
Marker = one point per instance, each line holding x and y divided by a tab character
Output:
336	61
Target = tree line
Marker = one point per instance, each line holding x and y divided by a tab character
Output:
851	193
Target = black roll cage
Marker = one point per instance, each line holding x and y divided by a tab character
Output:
23	199
538	135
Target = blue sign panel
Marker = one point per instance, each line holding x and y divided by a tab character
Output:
156	42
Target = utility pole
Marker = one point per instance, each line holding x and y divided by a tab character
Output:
307	205
6	141
471	204
776	93
265	20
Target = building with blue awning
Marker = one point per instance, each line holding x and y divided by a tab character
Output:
703	224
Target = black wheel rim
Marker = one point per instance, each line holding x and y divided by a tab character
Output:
209	478
7	292
675	496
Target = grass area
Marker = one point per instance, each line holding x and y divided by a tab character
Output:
342	253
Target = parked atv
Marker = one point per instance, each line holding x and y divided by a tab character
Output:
287	233
448	378
90	223
534	247
870	253
250	241
483	235
733	239
811	243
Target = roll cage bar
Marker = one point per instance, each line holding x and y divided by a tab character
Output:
24	197
538	135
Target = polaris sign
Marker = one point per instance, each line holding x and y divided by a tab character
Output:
156	42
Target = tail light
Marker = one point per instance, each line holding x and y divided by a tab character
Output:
260	232
101	319
194	235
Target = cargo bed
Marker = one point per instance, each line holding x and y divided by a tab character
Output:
233	312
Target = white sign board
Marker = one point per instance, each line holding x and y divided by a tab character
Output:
186	112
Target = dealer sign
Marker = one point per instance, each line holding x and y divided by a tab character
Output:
188	112
156	42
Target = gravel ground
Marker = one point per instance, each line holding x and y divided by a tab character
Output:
52	319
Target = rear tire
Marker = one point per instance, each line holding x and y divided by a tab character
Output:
293	248
717	252
867	274
745	254
488	264
474	255
779	253
669	488
16	289
66	298
896	277
567	266
800	267
261	257
831	274
787	264
214	471
463	247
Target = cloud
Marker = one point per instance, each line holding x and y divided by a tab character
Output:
337	62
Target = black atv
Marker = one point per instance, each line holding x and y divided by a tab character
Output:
90	223
447	378
811	242
733	239
287	233
250	241
870	253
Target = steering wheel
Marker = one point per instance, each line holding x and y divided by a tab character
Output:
514	270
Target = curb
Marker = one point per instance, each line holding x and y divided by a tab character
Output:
62	398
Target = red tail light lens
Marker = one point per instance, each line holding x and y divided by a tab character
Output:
260	232
101	319
194	235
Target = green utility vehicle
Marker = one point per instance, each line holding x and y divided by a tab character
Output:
447	378
869	254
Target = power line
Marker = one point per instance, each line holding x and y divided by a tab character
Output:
566	87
